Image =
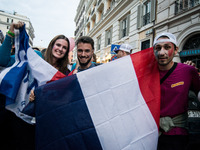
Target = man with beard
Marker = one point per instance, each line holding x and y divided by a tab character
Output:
85	51
176	79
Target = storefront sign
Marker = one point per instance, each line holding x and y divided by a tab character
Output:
186	53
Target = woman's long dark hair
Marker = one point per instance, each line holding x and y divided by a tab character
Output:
62	63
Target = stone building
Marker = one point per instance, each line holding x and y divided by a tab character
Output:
137	22
6	18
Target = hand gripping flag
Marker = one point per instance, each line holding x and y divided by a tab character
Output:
28	72
114	106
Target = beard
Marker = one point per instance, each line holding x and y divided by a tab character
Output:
84	64
166	62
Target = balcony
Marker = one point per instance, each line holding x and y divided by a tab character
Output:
184	5
146	19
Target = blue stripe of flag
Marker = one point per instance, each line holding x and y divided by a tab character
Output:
10	84
63	119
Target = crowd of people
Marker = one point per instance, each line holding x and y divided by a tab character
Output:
176	80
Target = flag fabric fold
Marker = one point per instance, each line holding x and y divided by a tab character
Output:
28	72
111	106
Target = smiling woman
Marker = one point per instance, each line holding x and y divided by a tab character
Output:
57	53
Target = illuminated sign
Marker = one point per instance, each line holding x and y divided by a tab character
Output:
186	53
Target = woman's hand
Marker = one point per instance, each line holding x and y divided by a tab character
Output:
32	96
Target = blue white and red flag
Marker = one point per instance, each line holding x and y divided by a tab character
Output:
114	106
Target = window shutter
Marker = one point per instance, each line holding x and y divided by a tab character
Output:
106	38
100	43
139	16
153	10
111	30
120	29
128	25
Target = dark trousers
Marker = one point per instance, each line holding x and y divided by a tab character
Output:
15	134
173	142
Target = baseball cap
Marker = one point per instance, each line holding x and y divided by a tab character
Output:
125	47
171	37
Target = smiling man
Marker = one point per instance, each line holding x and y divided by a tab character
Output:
85	50
176	80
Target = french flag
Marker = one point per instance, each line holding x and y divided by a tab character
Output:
28	72
114	106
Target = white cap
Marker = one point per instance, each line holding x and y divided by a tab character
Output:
125	47
171	37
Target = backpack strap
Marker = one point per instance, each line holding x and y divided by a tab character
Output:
168	73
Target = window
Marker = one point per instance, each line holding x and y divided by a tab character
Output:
9	20
108	36
146	13
145	44
112	4
99	43
124	26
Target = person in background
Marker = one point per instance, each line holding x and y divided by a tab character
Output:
43	51
124	50
36	48
176	81
94	58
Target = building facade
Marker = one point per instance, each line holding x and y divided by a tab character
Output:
7	18
137	22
